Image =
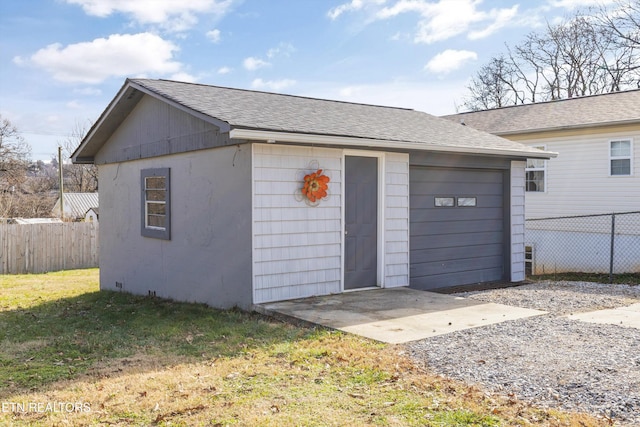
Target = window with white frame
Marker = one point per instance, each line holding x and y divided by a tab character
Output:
156	203
620	157
536	173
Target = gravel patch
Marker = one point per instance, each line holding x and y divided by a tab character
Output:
549	360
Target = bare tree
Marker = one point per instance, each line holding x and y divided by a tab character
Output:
584	55
492	86
78	178
14	155
621	25
14	159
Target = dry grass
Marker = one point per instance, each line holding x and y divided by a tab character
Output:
229	368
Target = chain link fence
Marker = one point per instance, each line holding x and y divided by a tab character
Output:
606	244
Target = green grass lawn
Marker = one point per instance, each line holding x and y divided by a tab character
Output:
71	355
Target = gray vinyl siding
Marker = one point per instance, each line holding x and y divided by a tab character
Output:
452	246
155	128
208	258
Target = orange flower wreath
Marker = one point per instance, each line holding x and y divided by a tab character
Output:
315	186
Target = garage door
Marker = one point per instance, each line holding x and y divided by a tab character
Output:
457	227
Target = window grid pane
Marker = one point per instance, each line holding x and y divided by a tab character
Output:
621	167
620	148
155	203
535	171
534	181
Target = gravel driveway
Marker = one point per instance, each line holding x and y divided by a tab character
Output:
549	360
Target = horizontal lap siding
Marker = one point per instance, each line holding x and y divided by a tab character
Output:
396	220
578	181
297	248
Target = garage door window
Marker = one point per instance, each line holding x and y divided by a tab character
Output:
467	201
444	202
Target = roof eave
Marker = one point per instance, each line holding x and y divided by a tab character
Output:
568	127
270	136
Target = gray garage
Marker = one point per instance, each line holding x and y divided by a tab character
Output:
457	229
236	198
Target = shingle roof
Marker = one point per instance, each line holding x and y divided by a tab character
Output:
263	111
76	205
588	111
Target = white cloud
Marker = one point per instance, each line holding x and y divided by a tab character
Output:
74	105
214	35
283	49
88	91
345	7
500	18
116	56
183	77
449	60
252	63
438	20
224	70
273	85
575	4
171	14
352	6
434	97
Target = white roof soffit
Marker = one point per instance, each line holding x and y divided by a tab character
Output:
301	138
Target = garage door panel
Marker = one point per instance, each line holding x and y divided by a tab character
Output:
479	239
452	246
423	174
446	280
458	188
453	266
441	254
442	215
451	227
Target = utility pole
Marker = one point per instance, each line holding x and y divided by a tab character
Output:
61	179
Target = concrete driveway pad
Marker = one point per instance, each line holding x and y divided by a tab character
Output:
624	316
396	315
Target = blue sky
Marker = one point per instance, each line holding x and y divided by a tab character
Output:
62	61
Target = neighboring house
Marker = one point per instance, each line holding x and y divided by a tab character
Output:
232	197
92	215
76	205
597	169
597	172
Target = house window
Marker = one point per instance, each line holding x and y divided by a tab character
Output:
156	203
536	173
620	157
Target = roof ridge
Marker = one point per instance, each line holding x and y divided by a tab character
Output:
551	101
273	93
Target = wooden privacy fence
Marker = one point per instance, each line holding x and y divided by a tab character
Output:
38	248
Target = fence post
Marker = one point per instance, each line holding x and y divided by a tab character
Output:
613	241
